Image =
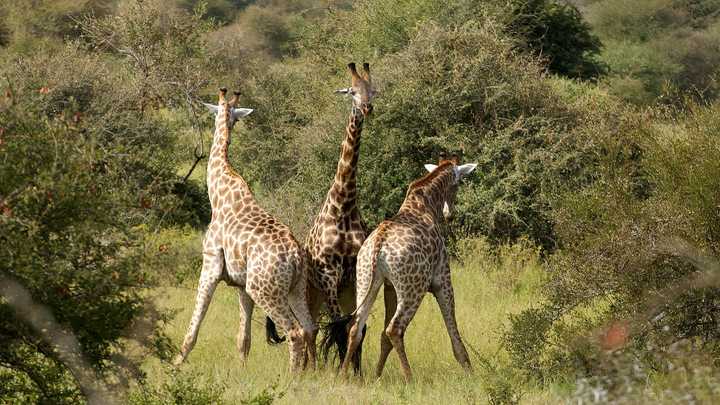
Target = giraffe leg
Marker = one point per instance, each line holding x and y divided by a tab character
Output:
347	298
299	305
209	278
396	330
335	333
315	299
266	293
446	300
244	335
385	343
280	312
367	290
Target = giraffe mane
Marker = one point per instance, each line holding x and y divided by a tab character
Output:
429	177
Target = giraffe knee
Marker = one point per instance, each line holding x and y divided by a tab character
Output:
297	340
394	331
309	334
296	335
355	330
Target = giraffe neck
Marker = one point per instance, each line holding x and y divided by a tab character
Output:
220	173
343	192
428	199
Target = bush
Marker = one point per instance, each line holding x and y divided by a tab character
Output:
223	11
47	23
679	375
66	244
88	94
660	50
162	50
639	256
82	162
180	388
557	32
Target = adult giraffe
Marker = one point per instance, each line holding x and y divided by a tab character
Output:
407	255
338	230
248	248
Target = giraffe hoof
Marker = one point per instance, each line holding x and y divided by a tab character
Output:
179	359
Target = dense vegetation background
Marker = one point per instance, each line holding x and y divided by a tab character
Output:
594	122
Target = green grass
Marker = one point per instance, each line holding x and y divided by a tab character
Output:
487	289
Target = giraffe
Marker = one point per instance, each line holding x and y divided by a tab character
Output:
407	255
247	248
338	230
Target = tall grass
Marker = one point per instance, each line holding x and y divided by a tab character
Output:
488	286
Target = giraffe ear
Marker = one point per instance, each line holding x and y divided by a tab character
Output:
430	167
211	107
347	90
466	169
238	113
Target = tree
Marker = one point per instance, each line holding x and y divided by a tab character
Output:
68	251
557	31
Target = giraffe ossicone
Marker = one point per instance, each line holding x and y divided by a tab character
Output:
406	254
248	248
235	112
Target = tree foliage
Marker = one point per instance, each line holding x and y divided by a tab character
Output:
65	241
557	31
660	50
87	155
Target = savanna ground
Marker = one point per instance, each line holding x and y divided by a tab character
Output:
487	290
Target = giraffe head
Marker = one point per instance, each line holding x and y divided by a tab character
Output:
458	172
226	110
361	89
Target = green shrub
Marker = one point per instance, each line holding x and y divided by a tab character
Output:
179	389
66	244
621	257
500	383
223	11
82	162
659	50
679	374
47	23
557	32
162	50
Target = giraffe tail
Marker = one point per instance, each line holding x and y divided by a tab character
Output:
377	246
338	330
271	333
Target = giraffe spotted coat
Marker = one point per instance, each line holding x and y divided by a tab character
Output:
248	248
407	256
